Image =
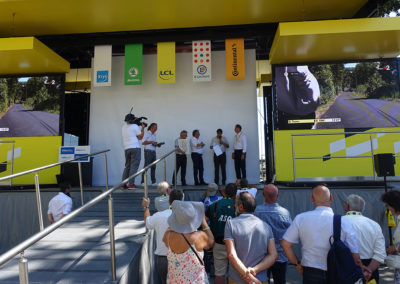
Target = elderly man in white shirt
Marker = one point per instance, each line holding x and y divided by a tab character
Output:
239	152
159	223
221	143
314	229
197	148
371	242
61	204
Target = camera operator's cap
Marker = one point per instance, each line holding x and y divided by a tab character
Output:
129	117
212	189
186	216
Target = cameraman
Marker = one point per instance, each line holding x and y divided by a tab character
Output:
131	134
150	143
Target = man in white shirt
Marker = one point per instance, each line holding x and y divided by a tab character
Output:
61	204
314	229
131	134
181	159
197	148
239	152
243	185
219	160
159	223
150	143
371	242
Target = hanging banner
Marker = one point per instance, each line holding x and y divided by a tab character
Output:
234	59
102	65
201	60
133	64
166	62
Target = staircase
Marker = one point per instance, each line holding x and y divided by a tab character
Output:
79	251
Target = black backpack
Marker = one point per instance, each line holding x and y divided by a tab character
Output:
341	266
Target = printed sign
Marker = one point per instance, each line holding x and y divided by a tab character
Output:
133	64
201	60
166	62
102	65
234	59
67	153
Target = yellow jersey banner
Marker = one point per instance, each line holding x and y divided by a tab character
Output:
166	62
234	59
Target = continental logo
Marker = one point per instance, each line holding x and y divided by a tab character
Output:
166	75
235	71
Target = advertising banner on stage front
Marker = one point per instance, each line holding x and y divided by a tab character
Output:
102	65
166	62
201	60
133	64
234	59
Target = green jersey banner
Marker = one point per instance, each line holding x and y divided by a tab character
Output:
133	64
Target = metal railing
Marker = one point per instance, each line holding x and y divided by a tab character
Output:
19	249
12	158
37	186
294	158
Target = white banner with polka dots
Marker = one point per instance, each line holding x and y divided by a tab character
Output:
201	60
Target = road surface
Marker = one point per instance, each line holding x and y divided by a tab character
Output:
356	112
21	122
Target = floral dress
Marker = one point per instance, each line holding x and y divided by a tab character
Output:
185	267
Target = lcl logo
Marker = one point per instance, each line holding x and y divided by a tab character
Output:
166	74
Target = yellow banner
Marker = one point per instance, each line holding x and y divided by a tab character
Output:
166	62
234	59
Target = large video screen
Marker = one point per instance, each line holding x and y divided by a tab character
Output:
30	106
341	95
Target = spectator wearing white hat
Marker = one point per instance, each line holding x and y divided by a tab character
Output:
185	244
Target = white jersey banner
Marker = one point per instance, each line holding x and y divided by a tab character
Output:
201	54
102	65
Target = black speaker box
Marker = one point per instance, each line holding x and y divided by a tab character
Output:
384	164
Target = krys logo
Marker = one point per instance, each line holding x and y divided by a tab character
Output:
201	69
235	71
166	75
102	76
133	72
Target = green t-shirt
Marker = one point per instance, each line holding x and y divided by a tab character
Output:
225	210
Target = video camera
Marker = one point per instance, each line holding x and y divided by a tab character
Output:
132	119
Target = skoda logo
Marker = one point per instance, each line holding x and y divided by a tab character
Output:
235	73
133	72
201	69
166	74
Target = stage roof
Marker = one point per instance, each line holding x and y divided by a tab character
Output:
49	17
336	40
27	55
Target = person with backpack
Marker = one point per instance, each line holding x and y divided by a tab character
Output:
314	230
218	213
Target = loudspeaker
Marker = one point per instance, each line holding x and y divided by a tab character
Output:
384	164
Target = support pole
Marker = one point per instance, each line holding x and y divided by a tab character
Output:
106	170
38	202
23	270
112	237
80	181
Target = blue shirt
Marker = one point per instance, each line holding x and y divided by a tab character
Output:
251	237
279	220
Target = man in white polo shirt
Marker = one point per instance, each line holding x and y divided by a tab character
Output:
371	242
61	204
314	229
197	148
